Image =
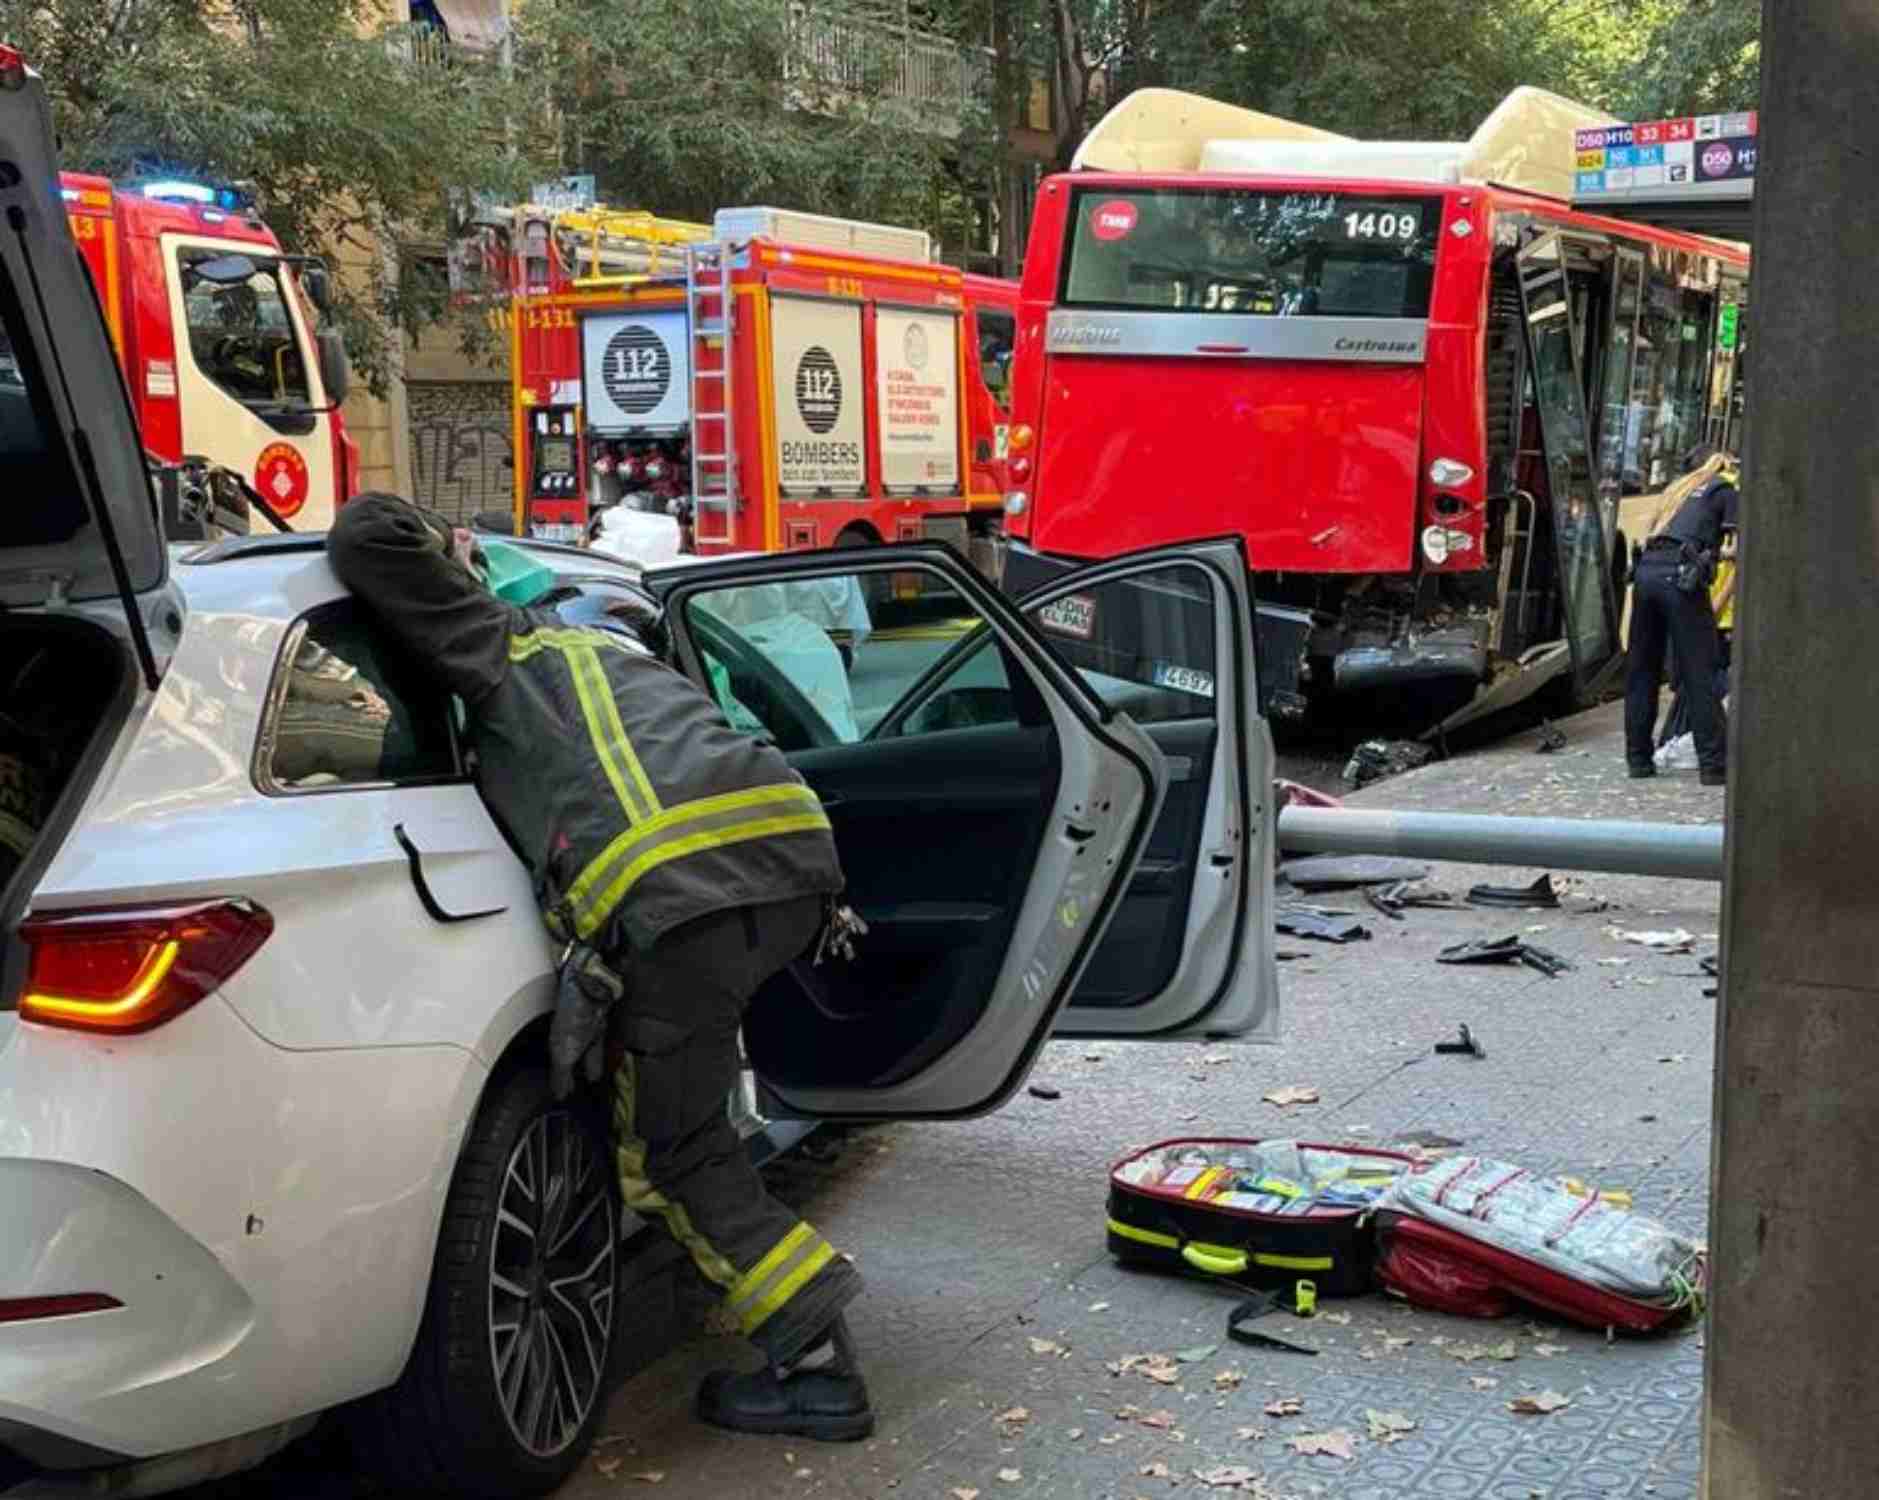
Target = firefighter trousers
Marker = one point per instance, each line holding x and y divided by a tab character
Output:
675	1033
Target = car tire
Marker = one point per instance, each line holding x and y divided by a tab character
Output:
508	1377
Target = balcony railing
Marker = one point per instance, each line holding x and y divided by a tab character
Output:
937	78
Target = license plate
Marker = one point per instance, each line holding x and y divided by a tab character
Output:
1074	614
556	531
1184	679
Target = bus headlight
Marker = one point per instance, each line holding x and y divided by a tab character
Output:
1435	544
1449	472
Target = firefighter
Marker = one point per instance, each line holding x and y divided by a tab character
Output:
682	864
1671	606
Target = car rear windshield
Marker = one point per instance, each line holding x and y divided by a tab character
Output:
1239	250
45	505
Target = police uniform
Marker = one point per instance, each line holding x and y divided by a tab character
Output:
1662	614
689	858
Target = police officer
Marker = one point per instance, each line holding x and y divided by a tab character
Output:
1671	606
682	864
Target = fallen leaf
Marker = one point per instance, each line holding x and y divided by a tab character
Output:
1016	1415
1483	1382
1048	1346
1161	1369
1250	1434
1614	963
1074	1433
650	1476
1340	1318
1469	1353
1285	1406
1099	1307
1227	1380
1292	1094
1160	1420
962	1493
1337	1443
1544	1404
1214	1059
1114	1437
804	1473
1156	1470
1547	1351
1394	1341
1010	1476
608	1466
1128	1413
1675	940
1225	1477
1388	1426
1195	1355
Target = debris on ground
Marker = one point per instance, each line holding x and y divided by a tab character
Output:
1228	1380
1337	872
1465	1044
1226	1477
1044	1091
1393	898
1552	738
1048	1347
1542	1405
1157	1367
1432	1140
1285	1406
1010	1476
1337	1443
1375	759
1507	950
1291	1094
1388	1426
1014	1418
1675	940
1314	922
1469	1353
1541	893
1394	913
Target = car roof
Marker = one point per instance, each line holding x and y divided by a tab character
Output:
282	575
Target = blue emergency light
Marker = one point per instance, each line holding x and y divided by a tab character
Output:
182	190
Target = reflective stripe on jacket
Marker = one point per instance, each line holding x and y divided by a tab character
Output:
636	805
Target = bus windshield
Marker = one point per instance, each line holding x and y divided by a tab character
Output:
1240	250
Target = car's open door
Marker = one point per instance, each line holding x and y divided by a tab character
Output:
1167	637
990	804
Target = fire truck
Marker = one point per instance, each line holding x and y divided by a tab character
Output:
774	380
213	329
1412	376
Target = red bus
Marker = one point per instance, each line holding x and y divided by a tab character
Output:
776	380
1413	378
214	327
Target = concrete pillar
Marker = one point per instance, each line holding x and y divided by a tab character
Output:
1794	1329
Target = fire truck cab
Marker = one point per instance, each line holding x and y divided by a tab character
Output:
775	380
214	328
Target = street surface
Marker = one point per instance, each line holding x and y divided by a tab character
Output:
993	1309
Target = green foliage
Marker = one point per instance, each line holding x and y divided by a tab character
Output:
686	108
348	142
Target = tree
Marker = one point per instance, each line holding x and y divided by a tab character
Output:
683	109
348	142
1699	58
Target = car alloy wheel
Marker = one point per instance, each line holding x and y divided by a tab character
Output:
551	1287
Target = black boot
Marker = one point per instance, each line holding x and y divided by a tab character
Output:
820	1396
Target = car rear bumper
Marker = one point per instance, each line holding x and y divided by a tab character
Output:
80	1389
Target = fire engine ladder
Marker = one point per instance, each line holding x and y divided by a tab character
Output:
708	303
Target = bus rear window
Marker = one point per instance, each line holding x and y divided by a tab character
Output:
1236	250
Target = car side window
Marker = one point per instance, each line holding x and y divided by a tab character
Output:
829	661
348	711
1144	642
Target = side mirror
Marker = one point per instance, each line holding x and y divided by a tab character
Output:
335	367
319	289
224	270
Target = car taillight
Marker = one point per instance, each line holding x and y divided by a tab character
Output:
64	1305
128	969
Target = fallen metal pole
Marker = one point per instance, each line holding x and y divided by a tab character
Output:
1680	850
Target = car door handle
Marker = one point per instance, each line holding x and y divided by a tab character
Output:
425	895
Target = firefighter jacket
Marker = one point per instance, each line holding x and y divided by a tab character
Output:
635	804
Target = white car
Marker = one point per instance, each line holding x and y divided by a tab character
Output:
275	1135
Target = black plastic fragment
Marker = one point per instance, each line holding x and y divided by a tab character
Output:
1540	893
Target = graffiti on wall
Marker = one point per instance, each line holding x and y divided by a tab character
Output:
461	450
